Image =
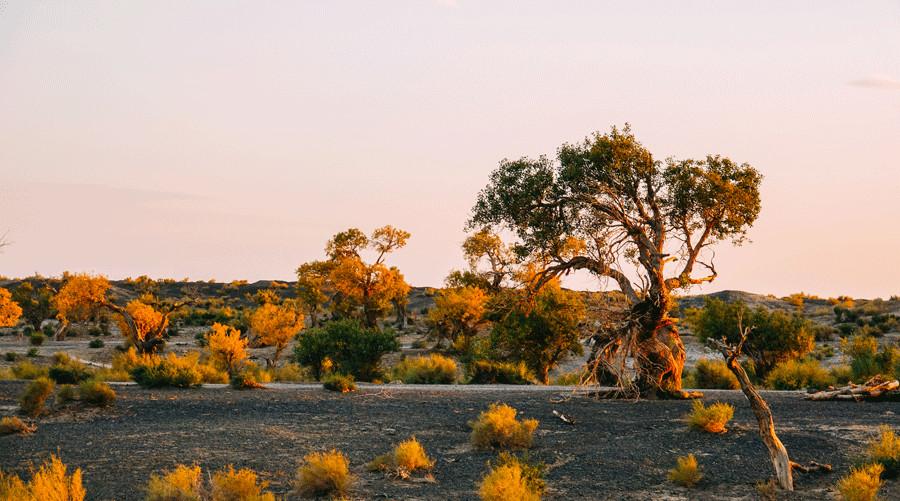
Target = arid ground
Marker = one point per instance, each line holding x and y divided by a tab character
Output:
615	449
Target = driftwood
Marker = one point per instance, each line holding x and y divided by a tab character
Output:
778	454
877	388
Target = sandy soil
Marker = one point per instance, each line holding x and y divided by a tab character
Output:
616	449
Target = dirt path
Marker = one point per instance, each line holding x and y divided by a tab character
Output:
617	449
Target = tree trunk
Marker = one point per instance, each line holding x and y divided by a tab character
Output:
660	351
781	462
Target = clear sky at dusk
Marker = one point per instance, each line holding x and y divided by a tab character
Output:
232	139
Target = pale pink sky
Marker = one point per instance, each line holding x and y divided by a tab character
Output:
231	139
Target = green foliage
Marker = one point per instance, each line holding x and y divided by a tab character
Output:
712	375
339	382
431	369
36	339
34	301
27	370
799	375
491	372
152	371
96	343
11	356
35	396
867	359
32	352
540	333
97	393
352	348
776	336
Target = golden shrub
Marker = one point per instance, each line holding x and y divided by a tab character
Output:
10	311
323	473
226	346
35	396
431	369
182	484
861	484
498	427
686	472
710	419
50	482
238	485
276	325
511	479
93	392
407	457
886	447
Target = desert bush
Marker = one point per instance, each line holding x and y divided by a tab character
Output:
238	485
867	359
96	343
10	425
227	347
36	339
50	482
573	378
777	336
713	374
27	370
842	374
342	383
245	380
292	373
209	373
431	369
323	474
491	372
862	483
352	348
66	394
66	370
498	427
48	330
11	356
96	393
686	472
710	419
799	375
153	371
407	457
35	396
181	484
885	450
32	352
511	478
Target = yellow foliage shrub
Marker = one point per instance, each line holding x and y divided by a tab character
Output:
407	457
238	485
710	419
182	484
97	393
686	472
10	425
861	484
885	449
35	396
226	346
50	482
433	369
323	473
510	479
498	427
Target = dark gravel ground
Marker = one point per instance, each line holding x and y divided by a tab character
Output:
616	449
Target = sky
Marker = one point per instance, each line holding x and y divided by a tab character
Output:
230	140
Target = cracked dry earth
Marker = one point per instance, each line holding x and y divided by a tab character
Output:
615	449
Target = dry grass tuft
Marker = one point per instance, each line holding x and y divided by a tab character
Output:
498	427
686	472
862	483
11	425
238	485
182	484
323	474
510	478
710	419
50	482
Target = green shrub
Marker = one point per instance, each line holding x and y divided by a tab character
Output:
713	375
777	336
867	359
96	343
48	330
799	375
36	339
431	369
11	356
96	393
339	382
491	372
352	348
66	394
66	370
35	396
573	378
32	352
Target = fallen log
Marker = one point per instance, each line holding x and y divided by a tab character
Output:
877	388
